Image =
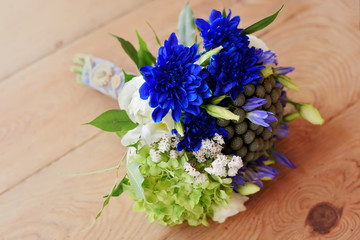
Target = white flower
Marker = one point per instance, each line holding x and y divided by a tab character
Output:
155	155
140	112
173	154
257	43
235	205
200	179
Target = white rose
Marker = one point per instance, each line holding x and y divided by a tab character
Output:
140	112
257	43
129	100
236	205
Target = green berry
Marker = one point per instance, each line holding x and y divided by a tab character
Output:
242	151
239	101
241	113
249	90
222	122
253	126
248	137
241	128
268	101
230	130
236	143
260	91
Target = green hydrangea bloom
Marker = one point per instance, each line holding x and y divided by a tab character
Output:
171	197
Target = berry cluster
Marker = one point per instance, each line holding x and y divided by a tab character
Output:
246	139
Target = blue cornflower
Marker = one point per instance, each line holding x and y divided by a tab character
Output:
253	103
175	82
261	117
233	69
197	128
221	31
282	159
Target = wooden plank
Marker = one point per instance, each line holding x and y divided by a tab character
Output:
327	171
51	117
31	30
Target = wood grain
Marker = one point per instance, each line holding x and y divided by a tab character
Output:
42	108
31	30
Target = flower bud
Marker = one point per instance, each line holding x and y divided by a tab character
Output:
310	113
220	112
248	189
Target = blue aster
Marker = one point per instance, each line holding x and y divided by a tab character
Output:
197	128
221	31
175	83
233	69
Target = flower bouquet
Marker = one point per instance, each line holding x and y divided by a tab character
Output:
200	120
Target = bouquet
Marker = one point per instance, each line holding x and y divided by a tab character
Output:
200	120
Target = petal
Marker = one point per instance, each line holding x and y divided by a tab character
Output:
202	24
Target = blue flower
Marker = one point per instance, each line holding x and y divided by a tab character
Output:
253	103
256	170
261	117
238	179
253	173
283	131
197	128
233	69
175	82
282	159
266	57
221	31
283	70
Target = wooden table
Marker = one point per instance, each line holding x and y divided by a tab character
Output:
42	108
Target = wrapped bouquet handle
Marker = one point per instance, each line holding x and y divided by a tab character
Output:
99	74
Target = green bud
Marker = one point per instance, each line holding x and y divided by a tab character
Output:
248	189
310	113
217	100
179	128
266	72
287	82
268	162
205	58
220	112
291	116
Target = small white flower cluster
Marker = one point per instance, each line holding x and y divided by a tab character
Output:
209	148
167	144
199	177
224	165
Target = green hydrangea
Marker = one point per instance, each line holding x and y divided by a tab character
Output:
171	197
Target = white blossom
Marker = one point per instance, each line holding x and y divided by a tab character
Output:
235	205
173	154
192	171
200	178
155	155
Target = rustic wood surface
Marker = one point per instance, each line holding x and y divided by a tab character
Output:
42	108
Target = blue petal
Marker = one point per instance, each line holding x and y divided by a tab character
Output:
202	24
282	159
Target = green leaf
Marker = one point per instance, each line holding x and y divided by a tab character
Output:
129	49
261	24
145	58
179	128
217	100
205	58
224	13
136	179
113	121
186	26
287	82
127	76
156	36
